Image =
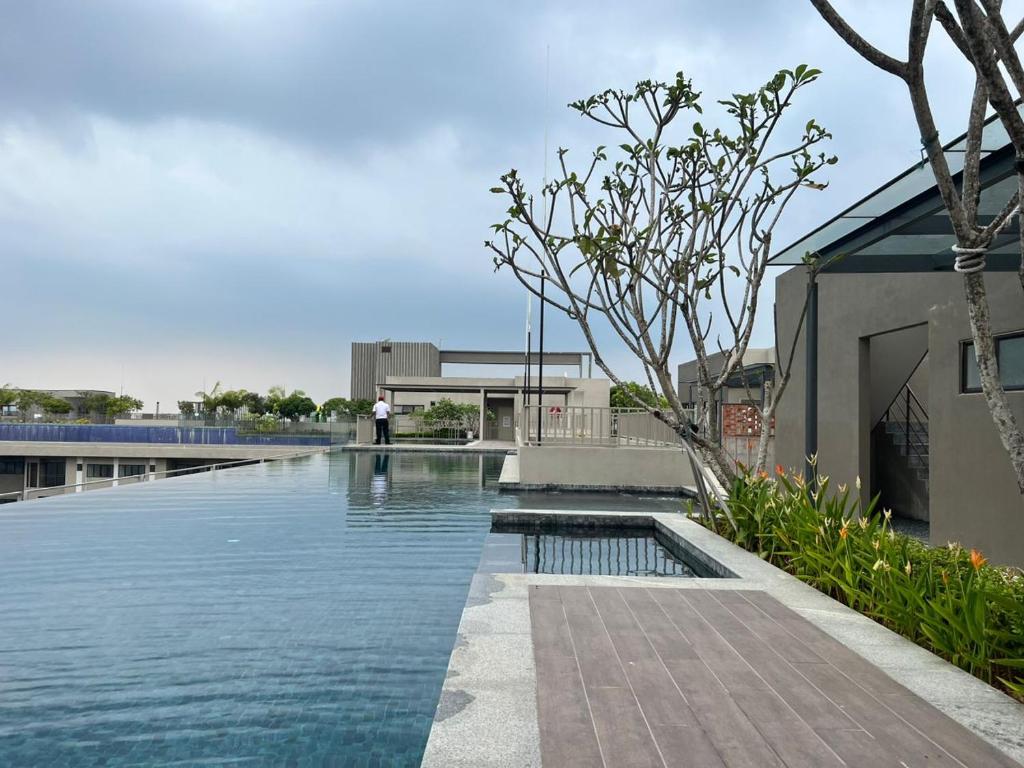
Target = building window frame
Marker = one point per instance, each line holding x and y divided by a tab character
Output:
96	471
967	350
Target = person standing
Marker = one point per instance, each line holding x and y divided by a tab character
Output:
381	411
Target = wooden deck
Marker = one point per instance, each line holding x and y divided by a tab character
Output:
693	677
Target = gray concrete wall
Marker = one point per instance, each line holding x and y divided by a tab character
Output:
973	497
603	467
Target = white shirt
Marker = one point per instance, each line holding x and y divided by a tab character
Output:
381	410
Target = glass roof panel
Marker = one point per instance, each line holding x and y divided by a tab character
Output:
916	180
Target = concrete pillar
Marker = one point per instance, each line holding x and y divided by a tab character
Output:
79	474
152	469
483	412
117	471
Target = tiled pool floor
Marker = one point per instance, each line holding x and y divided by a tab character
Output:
294	613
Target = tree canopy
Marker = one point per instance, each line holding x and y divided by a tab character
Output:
633	394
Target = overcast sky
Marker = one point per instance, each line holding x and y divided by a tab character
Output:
229	190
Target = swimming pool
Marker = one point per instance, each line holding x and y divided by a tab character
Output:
296	613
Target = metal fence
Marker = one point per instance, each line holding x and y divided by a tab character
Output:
593	426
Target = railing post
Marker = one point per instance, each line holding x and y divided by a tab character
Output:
906	421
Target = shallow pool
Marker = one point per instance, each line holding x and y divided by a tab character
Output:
293	613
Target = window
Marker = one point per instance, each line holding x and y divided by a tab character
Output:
99	470
12	466
52	473
1010	356
129	470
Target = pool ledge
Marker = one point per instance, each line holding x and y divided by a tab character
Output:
487	715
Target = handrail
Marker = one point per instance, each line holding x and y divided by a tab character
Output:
906	411
145	476
584	425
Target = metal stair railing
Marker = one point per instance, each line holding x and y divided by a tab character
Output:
907	421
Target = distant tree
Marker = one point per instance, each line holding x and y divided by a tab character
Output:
360	406
447	414
274	397
255	403
210	401
232	400
345	407
186	408
52	405
96	403
295	405
8	396
338	405
26	400
633	394
118	406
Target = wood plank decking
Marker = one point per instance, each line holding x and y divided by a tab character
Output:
634	677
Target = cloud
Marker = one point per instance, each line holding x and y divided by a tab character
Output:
189	187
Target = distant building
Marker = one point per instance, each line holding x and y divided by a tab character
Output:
409	374
747	385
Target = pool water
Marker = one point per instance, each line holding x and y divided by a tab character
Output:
587	552
296	613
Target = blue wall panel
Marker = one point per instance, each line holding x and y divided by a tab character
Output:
111	433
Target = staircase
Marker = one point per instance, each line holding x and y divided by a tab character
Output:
906	424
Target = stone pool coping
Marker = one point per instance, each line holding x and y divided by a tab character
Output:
487	714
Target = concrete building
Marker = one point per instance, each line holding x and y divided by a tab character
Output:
758	372
888	390
410	376
736	409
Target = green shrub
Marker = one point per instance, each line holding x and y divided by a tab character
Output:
946	599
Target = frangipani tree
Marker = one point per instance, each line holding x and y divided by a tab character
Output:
666	238
987	42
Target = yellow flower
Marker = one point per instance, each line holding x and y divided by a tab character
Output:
879	564
813	460
842	487
888	514
863	523
844	532
908	568
857	482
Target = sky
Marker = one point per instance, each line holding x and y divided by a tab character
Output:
218	190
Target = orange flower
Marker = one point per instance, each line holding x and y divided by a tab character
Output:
763	475
844	532
779	470
977	559
945	578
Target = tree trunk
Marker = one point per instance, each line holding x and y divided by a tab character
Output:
991	386
766	436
